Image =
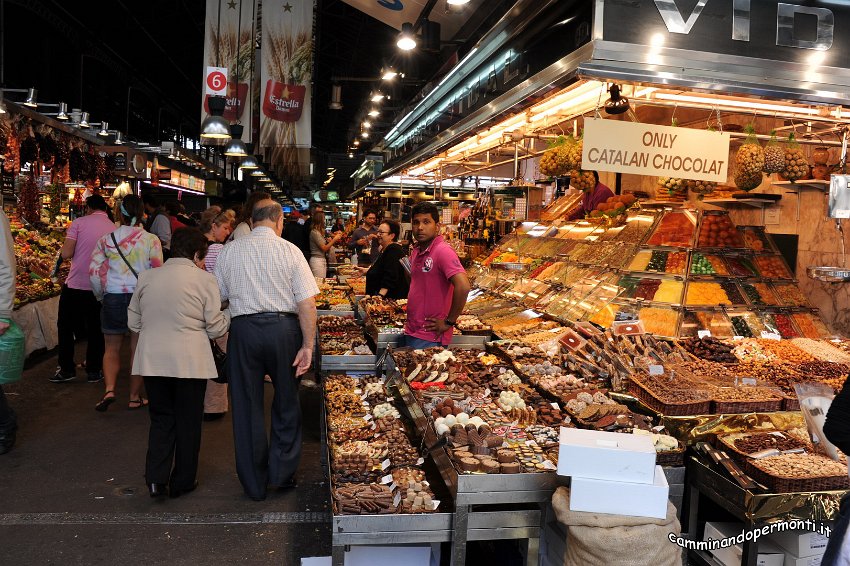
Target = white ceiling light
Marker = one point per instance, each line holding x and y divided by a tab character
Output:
406	39
457	2
376	96
388	74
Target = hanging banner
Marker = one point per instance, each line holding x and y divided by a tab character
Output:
287	69
663	151
229	47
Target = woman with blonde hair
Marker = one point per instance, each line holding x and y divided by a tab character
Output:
116	262
216	225
319	245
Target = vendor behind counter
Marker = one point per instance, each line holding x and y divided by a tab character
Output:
595	196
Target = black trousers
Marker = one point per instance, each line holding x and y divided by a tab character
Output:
79	317
7	415
839	532
258	346
177	411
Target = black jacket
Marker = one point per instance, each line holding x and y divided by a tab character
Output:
837	425
388	273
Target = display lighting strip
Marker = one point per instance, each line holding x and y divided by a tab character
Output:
176	187
741	104
579	97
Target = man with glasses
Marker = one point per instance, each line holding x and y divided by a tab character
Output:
364	241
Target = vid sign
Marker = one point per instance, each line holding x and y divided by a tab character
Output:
662	151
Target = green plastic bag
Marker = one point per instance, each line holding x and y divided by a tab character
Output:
11	354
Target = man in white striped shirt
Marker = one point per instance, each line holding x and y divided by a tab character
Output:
272	292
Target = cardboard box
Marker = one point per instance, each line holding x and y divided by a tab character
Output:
768	554
621	498
800	543
598	455
791	560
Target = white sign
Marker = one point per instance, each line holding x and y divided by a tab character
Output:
646	149
215	81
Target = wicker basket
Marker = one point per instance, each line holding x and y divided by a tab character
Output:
778	484
738	407
671	458
666	408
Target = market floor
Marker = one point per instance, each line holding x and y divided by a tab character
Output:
72	490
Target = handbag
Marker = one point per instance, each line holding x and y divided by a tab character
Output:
220	358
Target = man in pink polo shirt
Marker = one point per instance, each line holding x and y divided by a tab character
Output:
79	311
438	283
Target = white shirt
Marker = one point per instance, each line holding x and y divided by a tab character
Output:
262	272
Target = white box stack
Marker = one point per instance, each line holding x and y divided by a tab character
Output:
612	473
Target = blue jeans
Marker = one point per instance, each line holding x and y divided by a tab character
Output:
418	343
839	531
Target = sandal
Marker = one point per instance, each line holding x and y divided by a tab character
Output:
104	403
136	404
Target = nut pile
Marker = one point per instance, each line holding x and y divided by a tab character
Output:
763	441
710	349
800	466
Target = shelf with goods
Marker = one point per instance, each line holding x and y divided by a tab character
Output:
35	257
670	259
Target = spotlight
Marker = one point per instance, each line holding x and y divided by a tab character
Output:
63	111
215	126
119	138
388	74
364	135
336	98
406	39
457	2
374	112
616	104
367	124
249	163
32	98
84	120
376	96
236	147
104	126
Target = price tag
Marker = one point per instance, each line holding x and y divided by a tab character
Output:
385	464
555	406
749	381
393	486
487	392
435	503
363	397
656	370
425	483
358	391
549	465
397	499
420	461
770	335
387	479
704	333
736	338
374	426
367	418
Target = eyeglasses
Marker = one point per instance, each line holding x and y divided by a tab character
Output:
382	232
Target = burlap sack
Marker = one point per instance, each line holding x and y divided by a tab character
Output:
596	539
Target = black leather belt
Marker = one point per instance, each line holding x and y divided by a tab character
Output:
267	315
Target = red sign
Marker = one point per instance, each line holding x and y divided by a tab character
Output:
283	102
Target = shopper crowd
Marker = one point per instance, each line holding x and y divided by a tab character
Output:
242	285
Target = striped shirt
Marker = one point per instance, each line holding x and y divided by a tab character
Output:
262	272
212	256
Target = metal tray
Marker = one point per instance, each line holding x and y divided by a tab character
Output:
472	489
829	274
347	363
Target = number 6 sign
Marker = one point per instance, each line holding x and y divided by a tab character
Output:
216	81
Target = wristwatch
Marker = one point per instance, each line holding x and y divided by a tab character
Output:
450	323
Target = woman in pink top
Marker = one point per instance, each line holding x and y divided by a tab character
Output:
116	262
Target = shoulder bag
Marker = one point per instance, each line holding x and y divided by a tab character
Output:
117	247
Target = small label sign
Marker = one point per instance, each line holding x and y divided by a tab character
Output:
656	370
704	333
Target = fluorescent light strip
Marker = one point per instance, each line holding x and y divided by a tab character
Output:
737	104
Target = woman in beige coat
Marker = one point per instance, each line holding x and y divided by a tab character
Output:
176	310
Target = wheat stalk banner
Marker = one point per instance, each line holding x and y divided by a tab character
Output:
231	45
287	71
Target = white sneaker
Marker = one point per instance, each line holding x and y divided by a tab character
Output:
308	383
